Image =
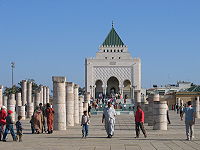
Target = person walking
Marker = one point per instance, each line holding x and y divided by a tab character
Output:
85	124
19	129
109	118
9	127
3	115
50	118
139	122
189	120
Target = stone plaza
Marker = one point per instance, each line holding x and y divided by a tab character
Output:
172	139
112	76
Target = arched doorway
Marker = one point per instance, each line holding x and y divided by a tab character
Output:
127	89
112	86
99	89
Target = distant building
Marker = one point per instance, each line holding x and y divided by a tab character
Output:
170	88
189	94
113	70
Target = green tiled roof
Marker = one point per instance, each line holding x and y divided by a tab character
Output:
112	39
195	88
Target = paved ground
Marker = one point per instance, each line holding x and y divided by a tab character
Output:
123	139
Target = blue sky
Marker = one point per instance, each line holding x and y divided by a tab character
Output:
48	37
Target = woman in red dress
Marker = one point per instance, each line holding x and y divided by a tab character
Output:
50	118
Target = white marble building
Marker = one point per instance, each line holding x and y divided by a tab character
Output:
113	70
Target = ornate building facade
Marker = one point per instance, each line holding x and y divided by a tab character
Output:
113	70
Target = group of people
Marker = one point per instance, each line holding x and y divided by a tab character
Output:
45	115
109	119
41	121
7	123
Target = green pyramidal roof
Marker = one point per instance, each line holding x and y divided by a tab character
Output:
112	39
195	88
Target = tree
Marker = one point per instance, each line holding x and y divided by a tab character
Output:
81	91
15	89
12	90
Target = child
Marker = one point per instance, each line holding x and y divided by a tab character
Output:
9	127
19	129
84	123
32	124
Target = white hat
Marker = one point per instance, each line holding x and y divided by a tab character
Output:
3	107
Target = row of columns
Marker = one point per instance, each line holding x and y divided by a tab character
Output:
25	97
67	103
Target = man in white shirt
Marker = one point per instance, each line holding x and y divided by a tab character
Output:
109	117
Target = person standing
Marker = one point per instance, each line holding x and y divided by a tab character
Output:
189	120
50	118
9	127
89	110
3	115
44	115
177	108
181	111
19	128
85	124
109	117
169	122
38	120
139	122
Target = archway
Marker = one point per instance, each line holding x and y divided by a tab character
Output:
98	89
127	89
112	86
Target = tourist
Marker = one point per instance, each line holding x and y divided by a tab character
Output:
89	110
189	120
139	122
9	127
109	117
177	108
50	118
19	129
85	124
181	111
32	124
38	120
44	123
3	115
169	122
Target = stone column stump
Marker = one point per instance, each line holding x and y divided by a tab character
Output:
81	98
5	101
76	104
70	103
11	105
59	102
160	115
24	92
21	112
